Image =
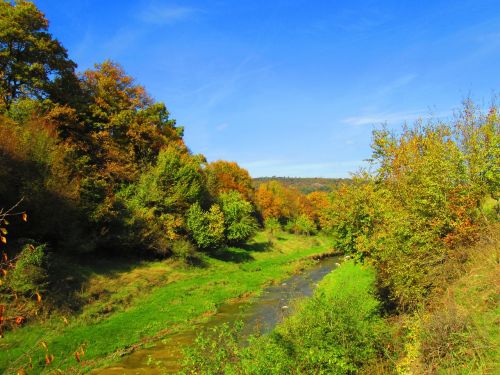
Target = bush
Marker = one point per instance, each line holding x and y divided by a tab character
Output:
301	225
183	249
214	350
29	275
272	225
239	223
206	227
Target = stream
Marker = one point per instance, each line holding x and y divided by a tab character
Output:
259	314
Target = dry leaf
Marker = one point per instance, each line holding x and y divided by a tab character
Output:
49	358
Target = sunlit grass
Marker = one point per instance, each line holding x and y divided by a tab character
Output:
129	307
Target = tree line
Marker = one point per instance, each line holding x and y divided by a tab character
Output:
101	168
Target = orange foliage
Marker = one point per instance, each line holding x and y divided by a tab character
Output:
318	201
224	176
277	201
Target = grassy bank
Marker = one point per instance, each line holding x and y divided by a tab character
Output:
337	331
129	305
458	332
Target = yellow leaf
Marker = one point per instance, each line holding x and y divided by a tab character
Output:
3	239
24	215
38	297
4	231
44	345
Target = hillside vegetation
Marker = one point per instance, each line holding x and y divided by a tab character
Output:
304	184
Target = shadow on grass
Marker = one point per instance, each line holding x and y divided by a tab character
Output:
68	276
232	254
197	262
257	246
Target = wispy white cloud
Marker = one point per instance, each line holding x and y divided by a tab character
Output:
396	84
393	117
160	14
221	127
378	118
231	81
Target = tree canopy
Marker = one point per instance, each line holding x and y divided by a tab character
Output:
32	62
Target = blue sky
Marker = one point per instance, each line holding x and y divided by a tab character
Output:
291	88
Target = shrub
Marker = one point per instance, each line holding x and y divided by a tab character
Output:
239	223
214	350
301	225
29	275
272	225
183	249
206	227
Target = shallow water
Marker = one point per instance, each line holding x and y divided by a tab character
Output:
259	314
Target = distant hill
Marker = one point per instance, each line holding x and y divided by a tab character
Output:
305	185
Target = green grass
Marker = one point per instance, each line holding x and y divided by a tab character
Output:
337	331
129	307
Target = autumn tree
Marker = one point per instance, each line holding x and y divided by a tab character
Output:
127	127
349	215
273	199
32	62
318	202
224	176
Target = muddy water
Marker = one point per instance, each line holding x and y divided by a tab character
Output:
259	314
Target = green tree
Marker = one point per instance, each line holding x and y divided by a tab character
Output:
206	227
32	63
302	225
156	205
239	223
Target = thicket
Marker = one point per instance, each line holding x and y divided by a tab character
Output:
412	215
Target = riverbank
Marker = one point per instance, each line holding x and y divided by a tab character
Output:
257	314
129	307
